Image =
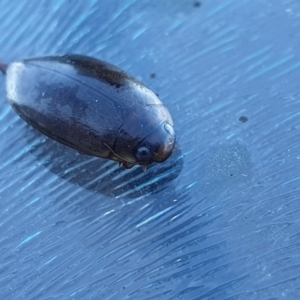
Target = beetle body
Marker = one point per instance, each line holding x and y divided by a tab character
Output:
91	106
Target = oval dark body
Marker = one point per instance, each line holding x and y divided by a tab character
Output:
92	106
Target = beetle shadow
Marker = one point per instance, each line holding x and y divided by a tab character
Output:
101	175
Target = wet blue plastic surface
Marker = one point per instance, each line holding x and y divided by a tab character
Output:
219	220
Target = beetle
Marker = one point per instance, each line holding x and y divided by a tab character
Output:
91	106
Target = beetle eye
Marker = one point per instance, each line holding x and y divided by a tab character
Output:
143	155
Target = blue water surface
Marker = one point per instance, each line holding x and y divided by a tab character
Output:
221	218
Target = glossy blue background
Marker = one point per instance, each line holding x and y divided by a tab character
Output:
219	220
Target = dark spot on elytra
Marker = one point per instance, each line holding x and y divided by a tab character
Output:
153	75
197	4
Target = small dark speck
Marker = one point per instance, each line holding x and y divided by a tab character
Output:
61	222
243	119
197	4
153	75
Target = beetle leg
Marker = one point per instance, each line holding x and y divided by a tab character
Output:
145	168
127	165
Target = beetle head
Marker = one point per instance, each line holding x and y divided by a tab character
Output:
157	146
